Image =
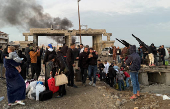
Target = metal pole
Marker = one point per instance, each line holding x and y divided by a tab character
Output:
79	22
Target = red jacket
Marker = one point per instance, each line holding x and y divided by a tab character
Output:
126	75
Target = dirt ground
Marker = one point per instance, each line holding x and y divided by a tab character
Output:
99	97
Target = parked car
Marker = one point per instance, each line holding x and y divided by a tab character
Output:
108	51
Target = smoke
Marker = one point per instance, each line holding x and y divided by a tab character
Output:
26	14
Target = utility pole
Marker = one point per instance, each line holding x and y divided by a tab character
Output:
79	22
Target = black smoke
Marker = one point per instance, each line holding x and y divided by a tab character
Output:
26	14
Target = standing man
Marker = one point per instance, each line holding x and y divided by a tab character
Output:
76	57
83	64
92	66
33	56
48	52
106	69
151	56
70	64
118	53
163	54
64	50
134	63
159	51
81	48
1	62
27	50
155	54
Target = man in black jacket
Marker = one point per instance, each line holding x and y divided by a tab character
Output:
83	64
76	57
27	50
64	50
112	74
92	66
48	52
151	56
70	64
163	54
155	54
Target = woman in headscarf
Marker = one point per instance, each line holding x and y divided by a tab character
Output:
15	83
23	64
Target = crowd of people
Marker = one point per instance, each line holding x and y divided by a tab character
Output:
68	60
152	52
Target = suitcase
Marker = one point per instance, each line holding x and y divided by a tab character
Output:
78	77
45	95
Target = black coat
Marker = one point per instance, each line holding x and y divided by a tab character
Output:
83	60
93	60
163	52
134	60
60	62
150	49
47	54
27	50
64	50
112	72
154	50
101	66
76	53
70	57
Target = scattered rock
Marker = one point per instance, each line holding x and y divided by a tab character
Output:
115	97
99	88
118	102
124	101
136	108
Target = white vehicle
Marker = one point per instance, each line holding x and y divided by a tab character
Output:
108	51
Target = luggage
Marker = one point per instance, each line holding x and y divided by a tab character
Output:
61	80
51	85
166	62
39	88
78	75
45	95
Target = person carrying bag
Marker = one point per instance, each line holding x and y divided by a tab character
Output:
60	79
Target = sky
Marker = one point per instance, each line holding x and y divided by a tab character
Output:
147	19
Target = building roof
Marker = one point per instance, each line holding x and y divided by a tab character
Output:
3	33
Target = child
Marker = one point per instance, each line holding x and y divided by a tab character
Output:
120	77
127	76
13	55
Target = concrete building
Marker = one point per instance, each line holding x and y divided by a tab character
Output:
4	39
95	33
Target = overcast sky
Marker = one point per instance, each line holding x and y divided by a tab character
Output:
147	19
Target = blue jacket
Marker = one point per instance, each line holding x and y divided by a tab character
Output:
134	60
